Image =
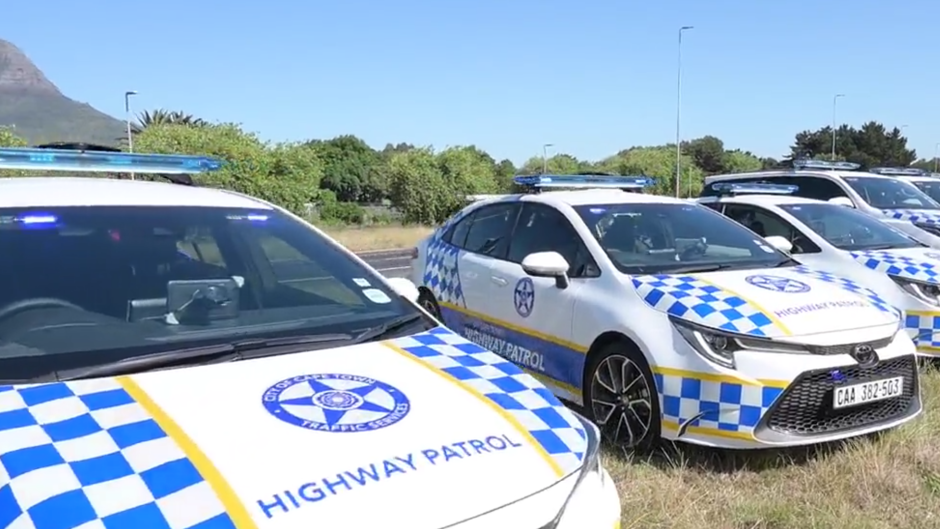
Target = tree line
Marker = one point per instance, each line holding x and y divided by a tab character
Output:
334	180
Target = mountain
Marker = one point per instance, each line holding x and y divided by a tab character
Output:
40	112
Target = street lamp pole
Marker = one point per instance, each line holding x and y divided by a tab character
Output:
545	157
835	98
936	158
127	117
679	109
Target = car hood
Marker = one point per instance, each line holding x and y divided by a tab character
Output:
418	432
929	217
781	302
917	264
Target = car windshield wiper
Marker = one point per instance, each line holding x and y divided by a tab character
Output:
692	269
225	352
789	261
387	328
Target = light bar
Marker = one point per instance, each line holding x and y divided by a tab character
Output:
584	182
754	189
825	165
104	162
898	171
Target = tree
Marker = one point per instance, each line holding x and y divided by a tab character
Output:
417	186
352	169
9	139
708	153
160	116
660	163
872	145
505	172
557	164
466	171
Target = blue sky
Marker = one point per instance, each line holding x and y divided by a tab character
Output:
591	77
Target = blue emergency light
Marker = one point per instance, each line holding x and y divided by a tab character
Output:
728	188
825	165
104	162
898	171
583	181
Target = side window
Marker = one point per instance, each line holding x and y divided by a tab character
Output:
457	234
491	228
818	188
542	228
767	224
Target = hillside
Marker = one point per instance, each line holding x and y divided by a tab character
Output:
42	113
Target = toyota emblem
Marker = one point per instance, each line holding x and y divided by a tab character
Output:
864	354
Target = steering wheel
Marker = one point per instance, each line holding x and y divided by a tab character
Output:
11	309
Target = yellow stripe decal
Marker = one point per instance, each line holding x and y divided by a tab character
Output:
512	327
923	313
770	315
712	432
714	377
549	460
233	506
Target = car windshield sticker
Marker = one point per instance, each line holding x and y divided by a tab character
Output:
524	297
362	282
778	284
336	403
376	296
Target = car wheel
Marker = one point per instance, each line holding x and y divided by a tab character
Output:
428	303
620	396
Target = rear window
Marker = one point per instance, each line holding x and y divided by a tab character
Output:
82	285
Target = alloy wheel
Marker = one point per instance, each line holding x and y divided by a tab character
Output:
621	401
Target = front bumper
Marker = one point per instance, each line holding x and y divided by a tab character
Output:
777	399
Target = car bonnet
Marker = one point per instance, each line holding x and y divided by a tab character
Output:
773	303
929	217
422	431
917	264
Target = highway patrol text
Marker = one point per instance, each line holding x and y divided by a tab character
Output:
510	351
813	307
326	487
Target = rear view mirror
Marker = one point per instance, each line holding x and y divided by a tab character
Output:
547	264
780	243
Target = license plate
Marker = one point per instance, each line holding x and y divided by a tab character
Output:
858	394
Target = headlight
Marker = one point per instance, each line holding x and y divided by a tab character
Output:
590	470
926	292
929	228
719	347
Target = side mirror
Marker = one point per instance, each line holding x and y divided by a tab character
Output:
404	288
547	264
842	201
780	243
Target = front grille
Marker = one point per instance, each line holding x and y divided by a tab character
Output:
805	408
847	349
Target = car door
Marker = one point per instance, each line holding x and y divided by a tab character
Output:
474	242
536	313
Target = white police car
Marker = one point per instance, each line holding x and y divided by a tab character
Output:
842	183
184	357
836	240
661	316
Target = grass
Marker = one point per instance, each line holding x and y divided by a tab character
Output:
890	480
379	237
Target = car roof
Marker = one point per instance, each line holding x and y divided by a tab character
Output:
61	191
766	200
585	197
758	174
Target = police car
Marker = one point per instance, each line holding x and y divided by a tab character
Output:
837	240
842	183
183	357
662	317
929	183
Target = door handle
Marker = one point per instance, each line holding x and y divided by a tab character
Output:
499	281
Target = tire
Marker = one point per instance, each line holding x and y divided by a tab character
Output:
624	408
428	303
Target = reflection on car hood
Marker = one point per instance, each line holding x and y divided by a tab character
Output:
918	264
920	216
358	436
772	303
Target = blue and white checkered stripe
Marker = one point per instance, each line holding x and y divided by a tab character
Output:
551	424
891	263
717	406
847	284
441	269
918	217
85	455
924	329
700	302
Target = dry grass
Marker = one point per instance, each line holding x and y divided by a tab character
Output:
378	238
885	481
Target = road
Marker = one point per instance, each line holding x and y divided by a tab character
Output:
390	263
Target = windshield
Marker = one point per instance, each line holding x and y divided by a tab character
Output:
667	238
84	285
847	228
890	193
930	188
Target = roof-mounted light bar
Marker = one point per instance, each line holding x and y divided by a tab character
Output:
825	165
898	171
731	189
105	162
583	182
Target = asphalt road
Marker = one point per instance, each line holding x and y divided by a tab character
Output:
390	263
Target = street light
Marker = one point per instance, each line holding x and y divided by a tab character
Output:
127	117
936	158
679	108
834	99
545	157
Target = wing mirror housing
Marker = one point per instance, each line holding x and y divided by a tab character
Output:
780	243
547	264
